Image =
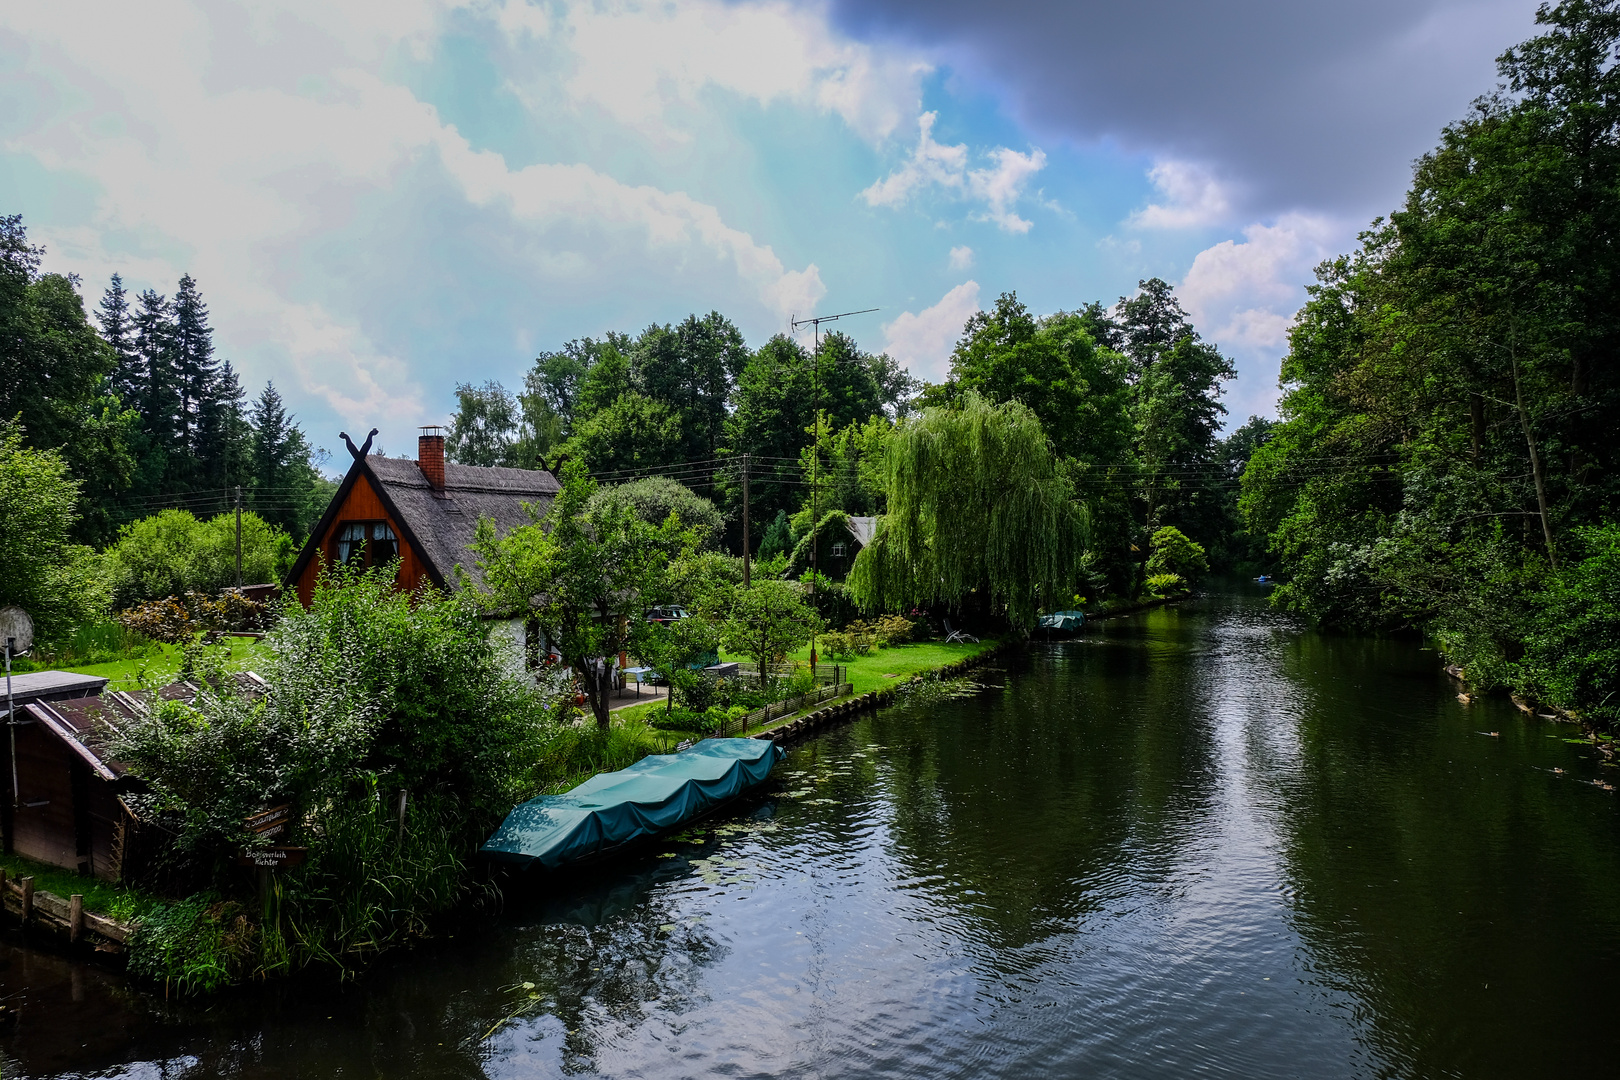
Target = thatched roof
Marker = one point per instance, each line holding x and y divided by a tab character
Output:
439	523
863	529
442	522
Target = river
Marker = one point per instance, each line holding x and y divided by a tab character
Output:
1199	841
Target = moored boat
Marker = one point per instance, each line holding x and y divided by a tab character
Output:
610	811
1060	623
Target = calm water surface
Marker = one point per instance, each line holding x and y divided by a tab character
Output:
1197	842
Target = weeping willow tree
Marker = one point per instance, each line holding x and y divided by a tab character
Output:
978	503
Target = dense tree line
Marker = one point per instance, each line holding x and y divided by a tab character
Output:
1127	398
1447	458
143	412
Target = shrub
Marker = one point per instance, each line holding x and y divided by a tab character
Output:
97	642
374	694
172	552
60	584
1162	585
1572	650
1172	553
654	498
895	629
165	620
196	945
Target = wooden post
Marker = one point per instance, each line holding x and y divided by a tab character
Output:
75	916
27	898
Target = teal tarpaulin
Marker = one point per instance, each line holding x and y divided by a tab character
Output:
1062	620
609	810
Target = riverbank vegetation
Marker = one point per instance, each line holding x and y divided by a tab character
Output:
1447	459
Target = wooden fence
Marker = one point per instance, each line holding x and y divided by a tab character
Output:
782	708
826	674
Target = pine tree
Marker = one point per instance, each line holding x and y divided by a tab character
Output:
285	485
158	399
1176	377
118	328
222	431
195	369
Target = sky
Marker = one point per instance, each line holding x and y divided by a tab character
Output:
382	200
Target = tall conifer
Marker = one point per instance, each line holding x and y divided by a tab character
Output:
118	327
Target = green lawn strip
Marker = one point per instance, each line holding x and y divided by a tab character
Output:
870	672
163	664
101	897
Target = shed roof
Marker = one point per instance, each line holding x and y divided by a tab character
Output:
50	685
81	722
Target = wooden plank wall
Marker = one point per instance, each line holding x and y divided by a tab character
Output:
362	504
44	774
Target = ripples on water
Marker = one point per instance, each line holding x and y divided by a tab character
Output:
1201	841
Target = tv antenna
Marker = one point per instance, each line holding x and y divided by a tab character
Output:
815	454
816	321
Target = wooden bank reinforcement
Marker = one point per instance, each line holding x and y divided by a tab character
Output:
845	708
67	919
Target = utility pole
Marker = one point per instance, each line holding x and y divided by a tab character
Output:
815	456
11	726
238	536
748	542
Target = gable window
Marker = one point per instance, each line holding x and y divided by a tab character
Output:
365	543
838	550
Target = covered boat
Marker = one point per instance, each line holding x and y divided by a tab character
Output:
610	810
1061	622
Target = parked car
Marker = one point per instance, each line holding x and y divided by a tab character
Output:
668	614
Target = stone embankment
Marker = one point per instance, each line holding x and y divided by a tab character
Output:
824	717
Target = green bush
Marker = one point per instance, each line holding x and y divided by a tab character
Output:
196	945
1170	552
100	641
172	553
60	584
895	630
845	645
1572	651
654	498
1163	585
373	694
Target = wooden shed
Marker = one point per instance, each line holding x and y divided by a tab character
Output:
68	808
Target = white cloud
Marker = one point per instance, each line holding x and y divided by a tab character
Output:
1192	198
961	258
934	164
217	169
635	60
1001	185
931	163
923	342
1245	293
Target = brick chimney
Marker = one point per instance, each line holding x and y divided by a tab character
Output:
430	456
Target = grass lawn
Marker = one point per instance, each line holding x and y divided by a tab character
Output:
873	671
163	663
100	897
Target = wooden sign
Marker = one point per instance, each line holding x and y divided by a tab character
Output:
271	822
275	858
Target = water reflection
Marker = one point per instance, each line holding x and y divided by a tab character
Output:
1201	840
